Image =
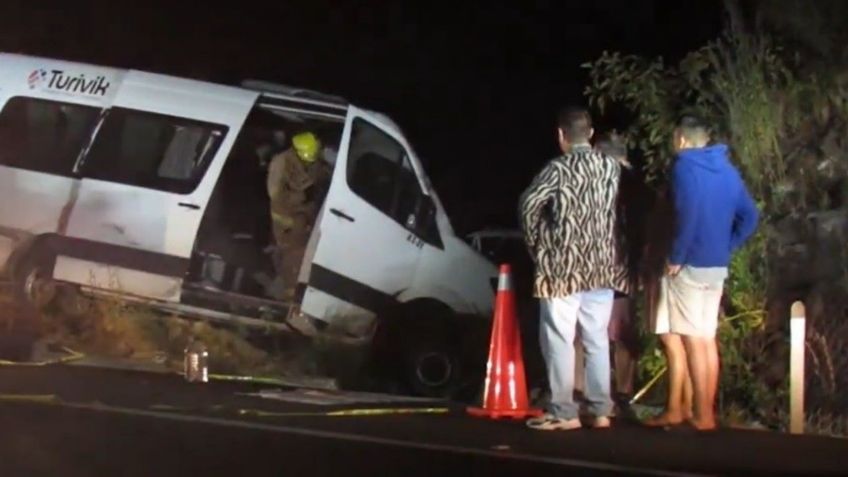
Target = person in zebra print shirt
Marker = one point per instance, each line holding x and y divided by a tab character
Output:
568	216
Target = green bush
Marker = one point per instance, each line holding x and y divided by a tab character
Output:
742	85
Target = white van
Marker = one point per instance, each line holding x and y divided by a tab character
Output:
149	187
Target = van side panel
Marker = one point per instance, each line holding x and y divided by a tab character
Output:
34	95
144	218
457	276
142	224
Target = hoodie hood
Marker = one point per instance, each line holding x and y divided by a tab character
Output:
712	158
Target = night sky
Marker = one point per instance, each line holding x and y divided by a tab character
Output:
475	87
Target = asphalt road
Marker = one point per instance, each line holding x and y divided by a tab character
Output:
73	421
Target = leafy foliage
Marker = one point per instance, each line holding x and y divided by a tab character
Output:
764	102
649	90
740	84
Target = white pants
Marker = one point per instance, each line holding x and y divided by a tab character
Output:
559	320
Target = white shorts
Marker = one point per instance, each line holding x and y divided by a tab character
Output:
659	322
688	308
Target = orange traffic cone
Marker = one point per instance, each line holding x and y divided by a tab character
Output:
505	393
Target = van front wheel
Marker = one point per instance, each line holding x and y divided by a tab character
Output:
432	367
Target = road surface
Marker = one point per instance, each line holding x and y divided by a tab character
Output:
64	420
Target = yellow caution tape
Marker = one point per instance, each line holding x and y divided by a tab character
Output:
258	413
54	399
170	408
647	387
249	379
167	407
339	413
72	356
384	411
37	398
346	412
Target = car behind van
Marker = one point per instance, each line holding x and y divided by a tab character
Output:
152	188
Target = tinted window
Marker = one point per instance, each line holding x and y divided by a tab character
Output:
153	150
44	136
379	171
373	164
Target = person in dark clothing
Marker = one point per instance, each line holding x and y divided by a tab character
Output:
622	330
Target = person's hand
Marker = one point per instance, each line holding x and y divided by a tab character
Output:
672	270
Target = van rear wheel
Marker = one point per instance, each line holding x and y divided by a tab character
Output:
33	280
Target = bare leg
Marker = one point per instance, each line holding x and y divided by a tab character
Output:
624	343
688	394
697	352
675	354
713	368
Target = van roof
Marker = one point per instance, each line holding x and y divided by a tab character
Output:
177	83
280	89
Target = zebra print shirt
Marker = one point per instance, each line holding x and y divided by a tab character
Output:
568	215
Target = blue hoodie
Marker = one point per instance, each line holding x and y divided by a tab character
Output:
715	214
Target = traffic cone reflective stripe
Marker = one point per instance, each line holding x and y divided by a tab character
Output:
505	388
504	279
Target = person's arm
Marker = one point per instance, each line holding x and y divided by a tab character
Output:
275	176
533	201
684	189
745	220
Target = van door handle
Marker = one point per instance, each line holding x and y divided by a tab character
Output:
339	213
189	206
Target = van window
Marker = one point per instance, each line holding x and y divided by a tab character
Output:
373	164
407	194
44	136
153	150
380	172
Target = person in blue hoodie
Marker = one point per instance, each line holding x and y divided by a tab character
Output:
714	216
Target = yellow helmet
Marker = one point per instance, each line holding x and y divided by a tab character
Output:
307	146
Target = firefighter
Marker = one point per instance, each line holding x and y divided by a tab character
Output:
296	178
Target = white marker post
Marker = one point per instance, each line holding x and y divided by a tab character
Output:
797	330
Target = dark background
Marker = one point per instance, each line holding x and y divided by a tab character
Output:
475	86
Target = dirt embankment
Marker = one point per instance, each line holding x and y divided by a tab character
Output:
114	330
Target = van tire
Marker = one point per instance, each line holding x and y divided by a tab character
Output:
32	280
432	367
426	341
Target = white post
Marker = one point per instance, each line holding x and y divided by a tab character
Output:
797	327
